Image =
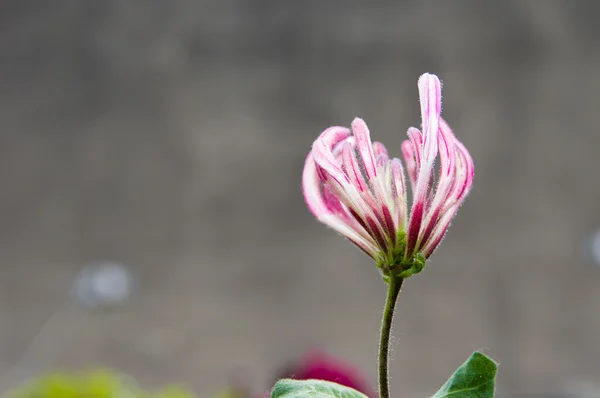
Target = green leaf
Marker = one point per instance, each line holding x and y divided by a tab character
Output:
288	388
474	379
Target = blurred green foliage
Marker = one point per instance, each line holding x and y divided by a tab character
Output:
94	384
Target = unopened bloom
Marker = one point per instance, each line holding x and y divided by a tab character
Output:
352	185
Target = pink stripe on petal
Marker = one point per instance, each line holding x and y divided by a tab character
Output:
377	234
359	219
322	174
372	227
416	216
416	138
420	199
439	232
428	226
470	168
351	168
464	176
447	150
399	193
389	223
447	130
365	148
332	201
408	153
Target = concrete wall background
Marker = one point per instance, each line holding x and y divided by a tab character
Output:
170	136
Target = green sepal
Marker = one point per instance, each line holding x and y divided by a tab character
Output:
473	379
412	267
288	388
400	268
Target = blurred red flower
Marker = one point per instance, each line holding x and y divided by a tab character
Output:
319	365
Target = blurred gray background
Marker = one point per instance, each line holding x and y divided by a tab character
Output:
171	136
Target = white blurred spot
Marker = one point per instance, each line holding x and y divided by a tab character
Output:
102	284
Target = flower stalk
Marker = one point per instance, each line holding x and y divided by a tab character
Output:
395	284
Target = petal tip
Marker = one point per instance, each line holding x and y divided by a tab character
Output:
358	123
428	78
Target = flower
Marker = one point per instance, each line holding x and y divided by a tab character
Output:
317	364
351	185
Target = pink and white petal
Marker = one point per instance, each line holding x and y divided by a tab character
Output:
325	196
339	147
352	168
469	169
334	135
447	150
326	161
408	153
323	150
460	189
385	175
387	208
381	188
439	231
332	175
399	193
333	203
328	208
362	207
365	148
371	203
363	242
416	138
311	188
464	168
444	185
337	208
414	225
430	97
421	196
463	178
463	181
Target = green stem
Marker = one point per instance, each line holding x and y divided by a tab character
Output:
386	328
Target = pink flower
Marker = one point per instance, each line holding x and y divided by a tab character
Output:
351	185
320	365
